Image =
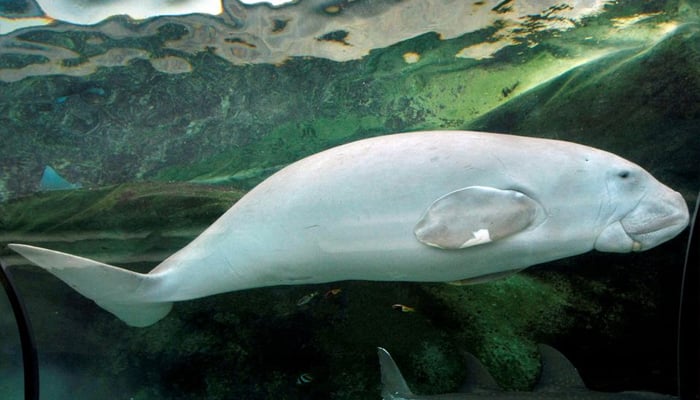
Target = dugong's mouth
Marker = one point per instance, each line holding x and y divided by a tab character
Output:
655	221
652	222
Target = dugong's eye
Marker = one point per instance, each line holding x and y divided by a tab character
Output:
624	174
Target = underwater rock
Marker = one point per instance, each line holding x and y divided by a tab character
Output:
656	90
124	222
141	128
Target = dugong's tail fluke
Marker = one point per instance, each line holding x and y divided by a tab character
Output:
119	291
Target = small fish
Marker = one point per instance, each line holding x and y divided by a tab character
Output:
305	378
91	93
332	292
506	91
403	308
94	90
51	180
306	299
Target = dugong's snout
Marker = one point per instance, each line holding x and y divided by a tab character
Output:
656	219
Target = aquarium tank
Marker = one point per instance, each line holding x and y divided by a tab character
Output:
314	199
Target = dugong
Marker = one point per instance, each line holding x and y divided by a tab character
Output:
422	206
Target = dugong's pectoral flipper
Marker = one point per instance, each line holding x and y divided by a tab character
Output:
117	290
475	215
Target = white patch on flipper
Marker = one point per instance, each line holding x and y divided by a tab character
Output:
480	237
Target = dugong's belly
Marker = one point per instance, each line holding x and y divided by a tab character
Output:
350	214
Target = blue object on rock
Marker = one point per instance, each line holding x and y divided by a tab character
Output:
51	180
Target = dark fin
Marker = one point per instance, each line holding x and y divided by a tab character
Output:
478	378
393	384
558	374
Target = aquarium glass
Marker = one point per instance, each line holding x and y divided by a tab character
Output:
128	128
11	378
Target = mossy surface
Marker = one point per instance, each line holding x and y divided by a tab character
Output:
125	223
132	207
660	114
534	310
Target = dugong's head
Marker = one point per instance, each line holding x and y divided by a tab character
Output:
644	212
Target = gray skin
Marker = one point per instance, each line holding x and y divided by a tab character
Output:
424	206
559	380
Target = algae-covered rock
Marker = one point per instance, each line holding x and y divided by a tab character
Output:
533	309
643	104
119	222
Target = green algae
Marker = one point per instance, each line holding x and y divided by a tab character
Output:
125	223
283	145
434	363
132	207
661	114
533	309
221	119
